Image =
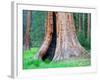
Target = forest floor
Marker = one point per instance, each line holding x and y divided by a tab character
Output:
30	63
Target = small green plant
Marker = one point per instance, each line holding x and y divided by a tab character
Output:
47	61
36	63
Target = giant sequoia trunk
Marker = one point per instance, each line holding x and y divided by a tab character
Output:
62	35
67	42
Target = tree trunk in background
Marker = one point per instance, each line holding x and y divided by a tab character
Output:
83	25
80	23
67	42
88	30
77	22
48	36
27	37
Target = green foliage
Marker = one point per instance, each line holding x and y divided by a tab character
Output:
88	44
76	20
36	63
37	28
81	18
85	42
47	61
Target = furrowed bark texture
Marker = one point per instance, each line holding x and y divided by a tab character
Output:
67	42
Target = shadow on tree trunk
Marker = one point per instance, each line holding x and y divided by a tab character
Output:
51	50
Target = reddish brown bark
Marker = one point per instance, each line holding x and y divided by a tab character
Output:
27	37
67	42
88	30
48	36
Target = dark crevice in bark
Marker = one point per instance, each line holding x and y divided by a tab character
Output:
51	50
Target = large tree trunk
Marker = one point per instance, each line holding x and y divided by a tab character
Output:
67	43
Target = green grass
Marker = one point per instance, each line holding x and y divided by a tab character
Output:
30	63
28	56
